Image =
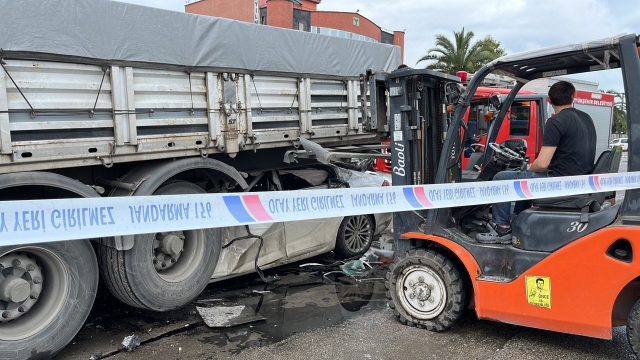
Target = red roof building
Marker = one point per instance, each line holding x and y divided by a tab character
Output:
300	15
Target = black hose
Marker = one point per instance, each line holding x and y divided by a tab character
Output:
267	279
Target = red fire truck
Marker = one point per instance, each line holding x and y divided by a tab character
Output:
524	120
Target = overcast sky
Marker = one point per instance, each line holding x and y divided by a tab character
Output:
519	25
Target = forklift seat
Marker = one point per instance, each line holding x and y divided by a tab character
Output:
608	162
547	226
469	173
474	159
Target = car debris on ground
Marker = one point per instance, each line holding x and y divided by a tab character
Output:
131	342
227	315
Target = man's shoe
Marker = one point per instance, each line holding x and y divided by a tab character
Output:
498	236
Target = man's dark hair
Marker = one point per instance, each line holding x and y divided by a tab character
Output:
561	93
540	279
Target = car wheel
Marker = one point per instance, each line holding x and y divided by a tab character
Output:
163	271
47	293
426	290
354	236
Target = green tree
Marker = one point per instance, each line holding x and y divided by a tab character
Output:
619	120
492	48
460	54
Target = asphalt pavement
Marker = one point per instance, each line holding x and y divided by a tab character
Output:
310	325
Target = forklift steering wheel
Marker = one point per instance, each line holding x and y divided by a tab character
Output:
505	153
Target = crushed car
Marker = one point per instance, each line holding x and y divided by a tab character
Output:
246	249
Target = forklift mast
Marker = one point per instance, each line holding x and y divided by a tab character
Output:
419	120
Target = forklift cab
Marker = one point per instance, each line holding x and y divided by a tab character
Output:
440	270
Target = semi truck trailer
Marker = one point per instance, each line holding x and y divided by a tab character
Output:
104	99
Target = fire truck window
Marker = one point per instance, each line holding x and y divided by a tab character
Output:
473	121
520	118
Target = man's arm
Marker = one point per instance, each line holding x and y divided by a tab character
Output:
544	158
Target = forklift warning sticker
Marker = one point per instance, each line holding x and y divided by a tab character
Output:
397	136
538	291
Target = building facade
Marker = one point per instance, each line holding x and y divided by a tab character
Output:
300	15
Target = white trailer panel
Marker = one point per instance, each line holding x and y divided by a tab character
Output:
124	114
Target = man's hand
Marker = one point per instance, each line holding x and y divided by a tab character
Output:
544	158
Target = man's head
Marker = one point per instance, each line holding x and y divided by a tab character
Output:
540	283
561	93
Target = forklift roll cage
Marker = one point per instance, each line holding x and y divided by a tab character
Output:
612	53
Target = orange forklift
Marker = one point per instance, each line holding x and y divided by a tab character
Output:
574	262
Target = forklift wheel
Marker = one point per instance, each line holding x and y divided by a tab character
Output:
633	328
426	290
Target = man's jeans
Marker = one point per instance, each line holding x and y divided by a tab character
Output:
501	213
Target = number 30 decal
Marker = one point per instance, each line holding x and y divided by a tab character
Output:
577	226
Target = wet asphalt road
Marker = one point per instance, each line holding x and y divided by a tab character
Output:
307	316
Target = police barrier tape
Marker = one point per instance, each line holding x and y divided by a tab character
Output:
35	221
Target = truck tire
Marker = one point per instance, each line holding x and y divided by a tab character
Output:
55	284
355	235
163	271
426	290
633	329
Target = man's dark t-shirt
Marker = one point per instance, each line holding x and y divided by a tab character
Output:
573	134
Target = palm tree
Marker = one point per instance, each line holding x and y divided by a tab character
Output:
450	57
619	120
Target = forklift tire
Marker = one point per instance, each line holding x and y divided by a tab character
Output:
633	329
426	290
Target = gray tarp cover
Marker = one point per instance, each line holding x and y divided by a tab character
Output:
120	33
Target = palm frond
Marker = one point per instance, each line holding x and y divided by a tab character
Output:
460	53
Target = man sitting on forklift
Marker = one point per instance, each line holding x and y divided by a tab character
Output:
568	148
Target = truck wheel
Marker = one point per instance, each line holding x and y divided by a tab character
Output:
163	271
46	293
633	328
355	235
426	290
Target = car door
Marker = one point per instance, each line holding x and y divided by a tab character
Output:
309	237
239	257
